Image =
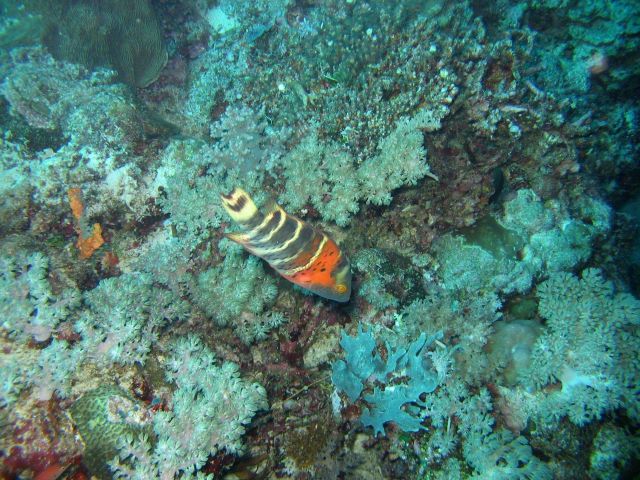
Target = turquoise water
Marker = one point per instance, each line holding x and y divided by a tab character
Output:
319	239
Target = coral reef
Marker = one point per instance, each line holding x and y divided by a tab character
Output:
208	411
29	308
477	162
121	35
588	345
104	416
362	364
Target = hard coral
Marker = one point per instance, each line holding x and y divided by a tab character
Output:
103	416
119	34
33	95
89	109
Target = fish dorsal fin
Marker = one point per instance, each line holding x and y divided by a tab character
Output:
265	216
270	206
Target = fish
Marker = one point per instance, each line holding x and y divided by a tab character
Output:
302	254
52	472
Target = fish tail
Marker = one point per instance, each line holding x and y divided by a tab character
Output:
241	208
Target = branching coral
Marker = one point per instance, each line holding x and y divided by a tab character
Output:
28	306
125	317
209	410
590	346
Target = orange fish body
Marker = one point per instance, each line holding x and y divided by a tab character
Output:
297	251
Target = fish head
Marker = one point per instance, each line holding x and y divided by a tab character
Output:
341	291
336	286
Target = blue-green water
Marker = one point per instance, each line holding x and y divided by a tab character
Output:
473	164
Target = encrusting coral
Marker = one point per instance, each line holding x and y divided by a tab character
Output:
87	244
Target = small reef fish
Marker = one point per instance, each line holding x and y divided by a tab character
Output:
297	251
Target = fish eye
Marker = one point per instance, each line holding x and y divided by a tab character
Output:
341	288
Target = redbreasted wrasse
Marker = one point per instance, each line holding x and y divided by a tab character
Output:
300	253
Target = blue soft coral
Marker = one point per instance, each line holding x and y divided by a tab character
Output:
363	363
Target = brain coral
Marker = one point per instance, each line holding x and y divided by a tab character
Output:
120	34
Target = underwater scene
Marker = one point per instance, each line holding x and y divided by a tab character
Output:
319	239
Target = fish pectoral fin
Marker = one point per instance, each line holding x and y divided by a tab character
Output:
240	238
